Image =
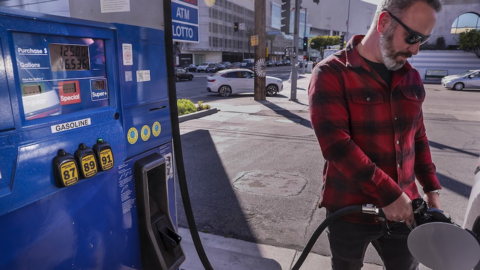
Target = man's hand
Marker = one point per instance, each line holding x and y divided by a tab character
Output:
432	199
400	210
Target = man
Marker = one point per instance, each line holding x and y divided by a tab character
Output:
366	110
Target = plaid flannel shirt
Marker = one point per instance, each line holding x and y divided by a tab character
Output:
372	135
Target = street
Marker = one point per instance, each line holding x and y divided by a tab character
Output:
254	171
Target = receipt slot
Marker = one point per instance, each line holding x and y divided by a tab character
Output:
86	180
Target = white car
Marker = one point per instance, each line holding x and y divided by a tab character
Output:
230	81
203	66
469	79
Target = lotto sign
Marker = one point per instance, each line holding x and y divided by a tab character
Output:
185	20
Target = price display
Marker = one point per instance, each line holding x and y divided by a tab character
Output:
67	57
99	85
69	88
29	90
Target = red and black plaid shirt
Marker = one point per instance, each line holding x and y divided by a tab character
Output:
371	134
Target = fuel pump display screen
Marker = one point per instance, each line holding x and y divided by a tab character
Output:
69	88
29	90
68	57
99	85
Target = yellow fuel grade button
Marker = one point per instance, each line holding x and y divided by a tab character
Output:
65	169
85	157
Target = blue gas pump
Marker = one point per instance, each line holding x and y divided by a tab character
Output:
86	163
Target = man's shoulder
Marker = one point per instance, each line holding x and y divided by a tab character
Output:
336	59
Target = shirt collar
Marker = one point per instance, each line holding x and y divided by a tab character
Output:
355	60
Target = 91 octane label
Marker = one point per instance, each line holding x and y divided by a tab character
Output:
69	173
106	159
89	166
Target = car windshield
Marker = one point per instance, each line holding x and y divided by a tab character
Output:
466	73
205	64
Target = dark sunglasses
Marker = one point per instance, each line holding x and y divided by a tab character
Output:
413	37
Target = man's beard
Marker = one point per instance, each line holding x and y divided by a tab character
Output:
389	55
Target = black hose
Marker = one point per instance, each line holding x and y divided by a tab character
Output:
177	146
331	218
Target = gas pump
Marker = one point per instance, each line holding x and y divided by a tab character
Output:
86	164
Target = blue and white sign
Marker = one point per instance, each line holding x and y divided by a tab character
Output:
185	32
185	21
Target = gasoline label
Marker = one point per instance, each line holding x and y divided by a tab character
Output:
145	133
156	129
89	166
106	159
69	173
132	135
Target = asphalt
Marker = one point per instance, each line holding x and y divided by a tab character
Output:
233	254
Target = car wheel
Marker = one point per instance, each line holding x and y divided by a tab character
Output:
177	79
225	91
272	90
190	78
458	86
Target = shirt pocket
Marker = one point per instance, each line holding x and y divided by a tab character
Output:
414	97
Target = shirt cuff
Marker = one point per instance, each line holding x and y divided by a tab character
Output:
386	191
430	183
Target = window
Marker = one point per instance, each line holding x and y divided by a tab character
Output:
276	16
466	22
233	75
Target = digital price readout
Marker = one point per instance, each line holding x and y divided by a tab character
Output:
68	57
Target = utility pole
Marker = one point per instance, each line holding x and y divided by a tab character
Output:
348	21
304	35
259	66
293	92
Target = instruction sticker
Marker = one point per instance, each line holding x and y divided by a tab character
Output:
127	54
143	75
107	6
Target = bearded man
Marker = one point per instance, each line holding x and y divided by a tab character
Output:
366	111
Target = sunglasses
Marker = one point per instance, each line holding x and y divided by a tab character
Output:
413	37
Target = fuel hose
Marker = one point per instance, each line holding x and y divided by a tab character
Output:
329	220
177	145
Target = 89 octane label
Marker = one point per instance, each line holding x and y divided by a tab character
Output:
89	166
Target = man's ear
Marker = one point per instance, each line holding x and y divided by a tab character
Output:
384	21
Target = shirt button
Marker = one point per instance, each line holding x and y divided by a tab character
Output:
416	96
368	98
398	142
398	165
395	117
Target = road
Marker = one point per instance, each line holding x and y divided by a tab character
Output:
219	154
196	89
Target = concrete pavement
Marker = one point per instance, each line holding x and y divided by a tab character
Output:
233	254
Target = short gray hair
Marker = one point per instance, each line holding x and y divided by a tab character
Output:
397	6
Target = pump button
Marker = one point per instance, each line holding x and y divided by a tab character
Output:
65	169
86	158
103	151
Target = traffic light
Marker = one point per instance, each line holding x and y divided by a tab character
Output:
342	40
305	44
285	17
235	26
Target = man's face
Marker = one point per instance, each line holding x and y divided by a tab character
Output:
395	50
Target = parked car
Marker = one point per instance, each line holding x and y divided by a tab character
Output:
203	67
212	68
279	63
287	63
226	64
250	66
468	79
183	74
270	63
236	65
191	68
230	81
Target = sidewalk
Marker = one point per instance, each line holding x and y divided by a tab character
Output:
232	254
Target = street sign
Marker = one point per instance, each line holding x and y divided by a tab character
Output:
241	26
254	40
185	21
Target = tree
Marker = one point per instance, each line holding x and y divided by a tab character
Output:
321	42
440	43
470	41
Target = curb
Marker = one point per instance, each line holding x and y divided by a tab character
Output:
196	115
